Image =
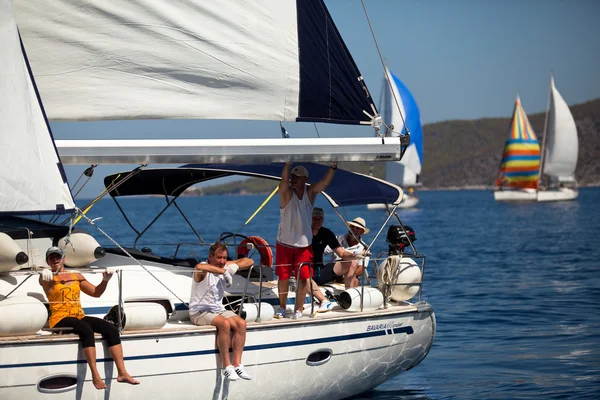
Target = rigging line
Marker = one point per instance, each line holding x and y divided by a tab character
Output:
543	149
91	222
316	129
108	189
383	65
255	212
89	172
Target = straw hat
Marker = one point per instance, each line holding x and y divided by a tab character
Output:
360	222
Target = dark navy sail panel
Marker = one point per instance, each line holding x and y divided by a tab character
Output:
330	90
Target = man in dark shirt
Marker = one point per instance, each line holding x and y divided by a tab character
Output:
323	237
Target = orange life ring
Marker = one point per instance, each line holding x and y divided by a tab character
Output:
266	254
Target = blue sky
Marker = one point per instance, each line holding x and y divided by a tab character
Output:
461	59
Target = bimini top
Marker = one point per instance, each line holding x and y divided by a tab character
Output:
346	189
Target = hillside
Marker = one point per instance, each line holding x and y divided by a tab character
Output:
467	153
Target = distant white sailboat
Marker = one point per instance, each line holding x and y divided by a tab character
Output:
400	109
560	149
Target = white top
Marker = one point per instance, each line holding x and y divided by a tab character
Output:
356	249
295	226
208	294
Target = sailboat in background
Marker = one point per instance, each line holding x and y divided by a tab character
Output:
400	109
559	151
519	169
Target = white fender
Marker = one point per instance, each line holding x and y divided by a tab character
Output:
266	311
144	315
350	299
11	255
408	280
22	315
81	250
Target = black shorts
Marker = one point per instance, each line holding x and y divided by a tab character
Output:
325	274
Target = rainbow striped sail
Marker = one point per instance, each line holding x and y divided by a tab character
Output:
520	164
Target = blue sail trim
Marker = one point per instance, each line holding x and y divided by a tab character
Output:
412	117
334	95
282	345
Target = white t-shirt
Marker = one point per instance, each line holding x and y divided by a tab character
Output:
356	249
208	294
295	226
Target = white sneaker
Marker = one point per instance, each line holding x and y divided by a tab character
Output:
242	373
230	373
297	315
325	306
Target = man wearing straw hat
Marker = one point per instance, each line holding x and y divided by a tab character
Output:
352	242
294	236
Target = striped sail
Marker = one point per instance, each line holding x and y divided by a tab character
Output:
521	159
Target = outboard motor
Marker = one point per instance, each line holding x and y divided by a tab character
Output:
398	239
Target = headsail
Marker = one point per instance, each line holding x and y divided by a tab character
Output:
32	180
520	163
406	171
562	147
161	59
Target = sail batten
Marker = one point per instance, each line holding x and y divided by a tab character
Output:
32	180
520	163
139	59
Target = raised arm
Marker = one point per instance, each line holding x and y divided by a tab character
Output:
201	269
344	254
91	290
318	187
285	192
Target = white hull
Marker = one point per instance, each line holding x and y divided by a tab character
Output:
369	347
184	359
407	202
561	194
515	195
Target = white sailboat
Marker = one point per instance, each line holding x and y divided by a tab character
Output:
400	109
159	59
560	149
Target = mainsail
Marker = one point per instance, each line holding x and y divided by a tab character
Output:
400	108
32	180
562	147
162	59
520	163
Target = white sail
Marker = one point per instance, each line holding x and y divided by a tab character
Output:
193	59
31	177
561	144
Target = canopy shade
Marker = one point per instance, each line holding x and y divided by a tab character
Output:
346	189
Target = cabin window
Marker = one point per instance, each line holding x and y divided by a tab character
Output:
57	383
319	357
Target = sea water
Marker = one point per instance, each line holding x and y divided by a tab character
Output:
515	287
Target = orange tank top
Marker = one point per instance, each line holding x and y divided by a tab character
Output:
64	300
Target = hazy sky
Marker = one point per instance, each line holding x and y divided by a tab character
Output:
461	59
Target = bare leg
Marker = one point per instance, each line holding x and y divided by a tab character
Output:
317	294
239	339
283	285
223	338
301	294
90	356
348	270
116	352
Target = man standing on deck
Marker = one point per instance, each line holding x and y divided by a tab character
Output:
294	236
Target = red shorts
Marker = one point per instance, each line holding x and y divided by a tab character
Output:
287	260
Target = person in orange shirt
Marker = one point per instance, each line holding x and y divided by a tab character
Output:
63	289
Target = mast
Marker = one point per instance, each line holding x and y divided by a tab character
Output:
543	149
